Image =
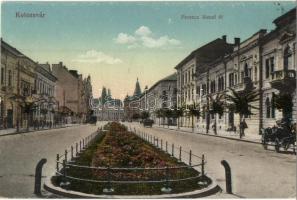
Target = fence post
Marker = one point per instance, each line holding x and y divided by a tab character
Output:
109	189
157	142
57	160
166	188
154	140
83	143
66	155
172	150
80	146
190	158
180	152
161	144
166	146
64	169
71	152
38	175
202	164
228	176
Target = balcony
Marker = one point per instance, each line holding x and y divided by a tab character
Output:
283	80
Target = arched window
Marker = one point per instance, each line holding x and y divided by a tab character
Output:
246	70
268	107
287	58
222	88
255	74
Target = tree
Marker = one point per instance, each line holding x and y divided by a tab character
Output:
158	113
135	116
217	107
241	104
177	113
194	111
168	114
284	102
144	115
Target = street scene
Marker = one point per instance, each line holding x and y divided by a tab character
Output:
174	100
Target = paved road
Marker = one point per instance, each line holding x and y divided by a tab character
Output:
20	153
256	173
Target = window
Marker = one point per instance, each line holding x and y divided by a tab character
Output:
235	77
246	70
271	64
242	75
9	78
267	103
267	68
198	90
272	106
213	86
2	75
287	58
203	89
231	79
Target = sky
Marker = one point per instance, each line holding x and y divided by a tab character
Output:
118	42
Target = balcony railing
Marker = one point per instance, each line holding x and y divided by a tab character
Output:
283	74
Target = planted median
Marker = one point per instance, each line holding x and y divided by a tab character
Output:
118	162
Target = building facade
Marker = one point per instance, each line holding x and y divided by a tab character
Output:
266	62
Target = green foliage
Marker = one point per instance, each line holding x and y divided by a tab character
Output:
240	101
135	116
194	110
284	102
145	115
217	105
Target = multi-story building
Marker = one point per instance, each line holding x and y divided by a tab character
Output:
132	103
163	94
8	83
69	93
264	61
47	106
193	66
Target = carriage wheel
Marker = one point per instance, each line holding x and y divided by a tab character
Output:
277	145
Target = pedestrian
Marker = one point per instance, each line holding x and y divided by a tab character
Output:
243	125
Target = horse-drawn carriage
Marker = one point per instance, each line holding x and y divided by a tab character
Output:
280	137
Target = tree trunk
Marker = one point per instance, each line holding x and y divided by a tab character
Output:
215	125
241	129
193	123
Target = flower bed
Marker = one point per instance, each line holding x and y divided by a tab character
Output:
119	148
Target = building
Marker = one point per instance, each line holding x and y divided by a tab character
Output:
192	67
45	113
108	108
132	103
70	93
162	95
265	62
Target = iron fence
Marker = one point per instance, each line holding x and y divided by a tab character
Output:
107	176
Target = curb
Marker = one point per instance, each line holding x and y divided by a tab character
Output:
219	136
210	190
32	131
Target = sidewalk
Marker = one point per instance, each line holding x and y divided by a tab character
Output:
222	134
12	131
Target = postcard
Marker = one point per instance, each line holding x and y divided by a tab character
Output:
152	99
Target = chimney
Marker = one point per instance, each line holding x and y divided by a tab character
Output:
237	41
224	37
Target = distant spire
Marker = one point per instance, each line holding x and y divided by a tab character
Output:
137	91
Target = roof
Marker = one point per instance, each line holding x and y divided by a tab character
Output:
10	48
287	16
208	51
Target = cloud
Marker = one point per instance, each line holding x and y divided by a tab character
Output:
160	42
143	31
93	56
124	38
144	37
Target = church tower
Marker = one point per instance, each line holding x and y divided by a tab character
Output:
137	91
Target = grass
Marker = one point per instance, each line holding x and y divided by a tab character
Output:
119	148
